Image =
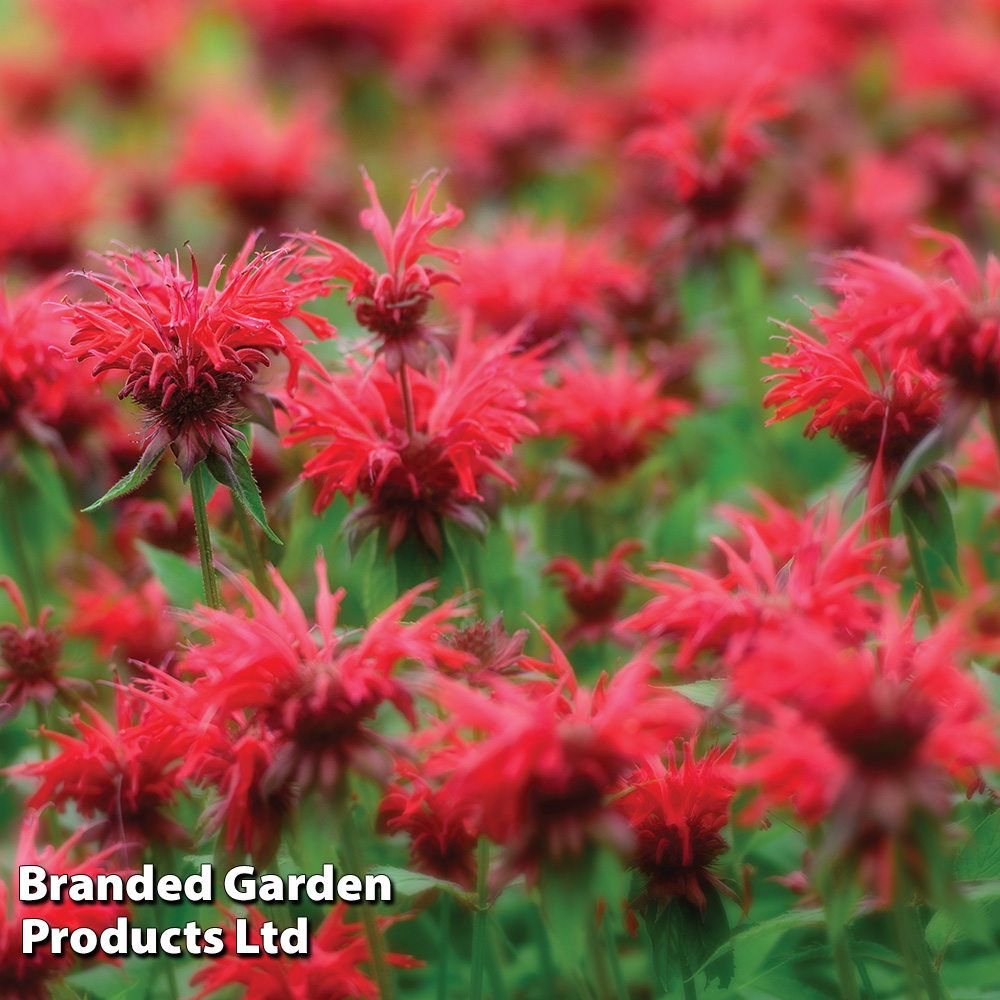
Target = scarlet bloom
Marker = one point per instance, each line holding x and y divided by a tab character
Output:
825	581
553	752
442	837
948	317
491	650
29	977
550	283
467	415
393	304
192	353
123	617
30	660
127	774
879	412
329	972
254	163
612	417
880	737
678	812
47	196
316	690
595	597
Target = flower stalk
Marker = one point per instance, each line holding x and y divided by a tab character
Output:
211	584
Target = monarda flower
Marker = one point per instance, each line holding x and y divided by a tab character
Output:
393	304
467	416
30	977
442	837
329	972
549	282
31	660
255	164
678	812
826	580
594	597
612	416
553	752
866	741
191	353
950	317
128	775
315	689
877	411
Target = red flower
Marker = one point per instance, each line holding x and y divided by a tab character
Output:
442	837
550	282
868	740
467	416
119	42
128	774
191	352
30	660
316	690
47	196
949	318
824	581
595	597
880	423
122	617
612	417
256	163
491	649
393	304
329	972
539	780
28	977
678	813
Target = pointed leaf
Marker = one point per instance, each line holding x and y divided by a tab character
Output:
931	515
178	577
128	483
931	449
238	476
408	883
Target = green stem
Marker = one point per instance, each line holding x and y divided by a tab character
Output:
444	950
867	987
26	579
613	960
902	923
211	584
933	984
257	565
608	985
479	918
494	970
919	568
351	844
687	976
845	967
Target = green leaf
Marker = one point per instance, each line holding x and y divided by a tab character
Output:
930	514
980	858
179	578
408	883
703	693
931	449
238	476
131	482
380	587
568	908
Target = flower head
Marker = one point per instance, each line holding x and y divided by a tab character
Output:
491	649
191	353
466	417
393	304
553	752
595	597
329	972
880	737
127	774
31	660
612	416
677	812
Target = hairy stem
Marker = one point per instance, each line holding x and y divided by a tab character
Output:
208	578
